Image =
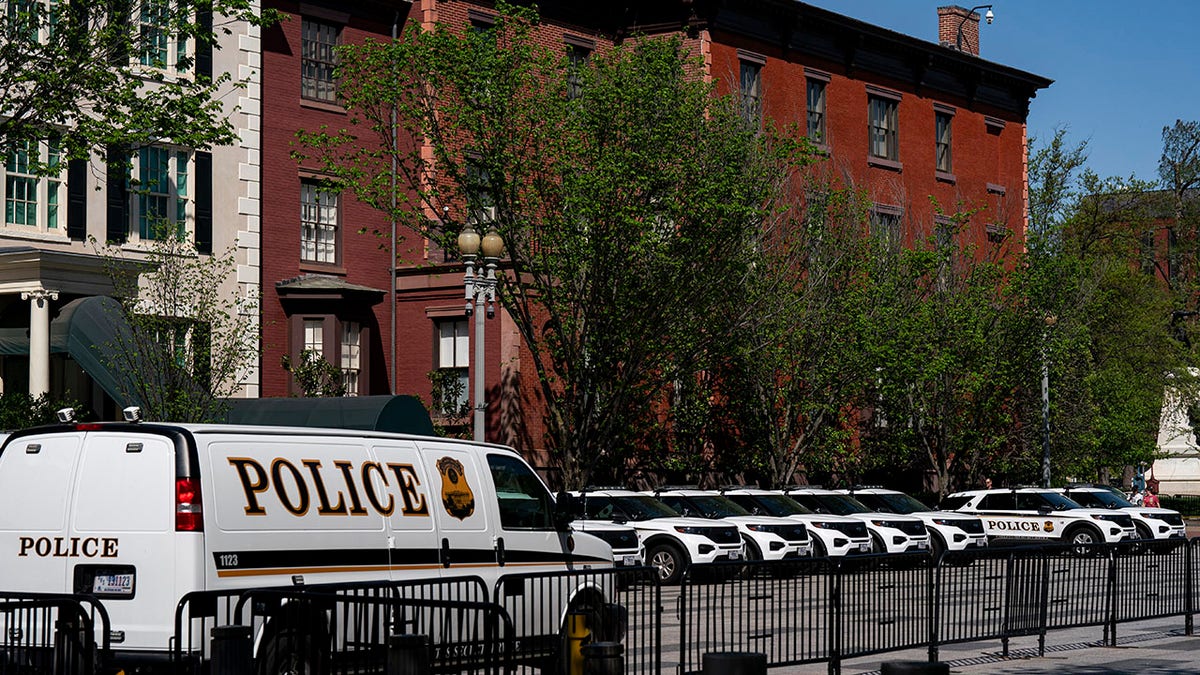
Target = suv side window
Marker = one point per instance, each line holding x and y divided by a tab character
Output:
997	502
677	503
597	508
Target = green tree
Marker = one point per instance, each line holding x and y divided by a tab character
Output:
91	75
946	354
183	344
789	383
314	375
19	410
629	206
1095	269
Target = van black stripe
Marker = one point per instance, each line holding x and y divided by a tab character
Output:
379	557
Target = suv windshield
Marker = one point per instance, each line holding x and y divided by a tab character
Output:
769	505
717	507
1099	499
890	502
643	508
838	505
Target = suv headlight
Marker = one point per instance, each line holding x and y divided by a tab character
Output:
1106	517
885	523
689	529
949	522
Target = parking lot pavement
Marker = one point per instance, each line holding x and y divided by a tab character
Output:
1157	647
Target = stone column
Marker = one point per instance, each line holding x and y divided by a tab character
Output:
39	340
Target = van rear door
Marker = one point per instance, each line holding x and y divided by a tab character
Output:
36	477
124	547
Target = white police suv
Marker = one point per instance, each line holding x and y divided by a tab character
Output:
766	537
627	547
1164	525
948	530
672	542
832	536
890	532
1026	515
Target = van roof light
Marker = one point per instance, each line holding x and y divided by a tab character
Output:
132	414
65	415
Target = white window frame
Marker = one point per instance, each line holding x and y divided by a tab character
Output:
174	196
318	59
454	353
49	199
351	356
320	223
147	27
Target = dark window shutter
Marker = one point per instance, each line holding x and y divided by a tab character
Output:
77	199
204	49
117	230
204	203
119	29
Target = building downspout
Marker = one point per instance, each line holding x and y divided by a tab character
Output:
392	217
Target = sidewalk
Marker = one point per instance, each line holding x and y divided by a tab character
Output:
1157	647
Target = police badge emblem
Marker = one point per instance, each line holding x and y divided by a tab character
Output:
456	493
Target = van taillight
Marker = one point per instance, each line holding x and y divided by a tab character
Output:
189	515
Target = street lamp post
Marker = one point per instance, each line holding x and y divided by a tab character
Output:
1050	321
480	282
958	36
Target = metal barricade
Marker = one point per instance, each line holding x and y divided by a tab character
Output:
556	613
52	633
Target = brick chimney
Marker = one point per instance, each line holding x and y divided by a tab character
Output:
950	19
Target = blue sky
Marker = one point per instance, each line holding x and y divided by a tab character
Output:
1122	70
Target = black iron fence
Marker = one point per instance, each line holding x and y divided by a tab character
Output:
794	612
828	610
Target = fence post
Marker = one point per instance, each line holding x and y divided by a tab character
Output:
1110	628
1188	587
409	655
934	579
232	650
835	615
684	622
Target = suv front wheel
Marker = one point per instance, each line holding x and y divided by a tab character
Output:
668	560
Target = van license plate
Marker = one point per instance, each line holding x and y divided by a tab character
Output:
113	584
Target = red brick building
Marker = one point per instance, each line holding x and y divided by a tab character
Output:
902	118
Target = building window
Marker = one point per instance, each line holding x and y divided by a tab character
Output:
32	200
884	129
318	223
942	130
314	336
157	47
161	194
816	110
886	224
751	89
351	356
318	59
453	348
577	58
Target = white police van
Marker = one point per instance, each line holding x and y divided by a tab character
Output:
140	514
1040	515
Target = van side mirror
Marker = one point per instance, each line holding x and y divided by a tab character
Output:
567	508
